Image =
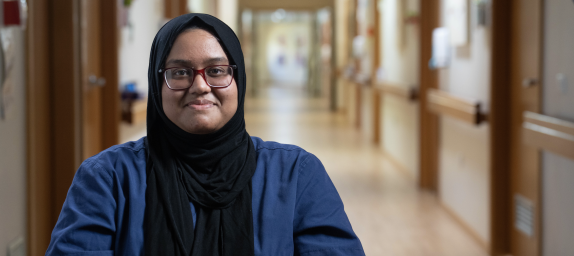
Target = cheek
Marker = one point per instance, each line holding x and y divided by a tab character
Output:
167	101
164	99
229	100
232	98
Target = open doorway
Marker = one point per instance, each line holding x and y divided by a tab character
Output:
288	49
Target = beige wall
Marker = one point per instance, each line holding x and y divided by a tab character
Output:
342	27
145	19
365	15
13	149
400	43
351	103
463	148
558	101
400	133
400	64
342	47
367	110
202	6
227	11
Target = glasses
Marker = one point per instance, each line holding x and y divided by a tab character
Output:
218	76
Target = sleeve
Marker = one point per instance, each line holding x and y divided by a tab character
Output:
86	224
321	226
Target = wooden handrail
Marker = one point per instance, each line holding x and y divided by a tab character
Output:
548	133
408	92
444	103
549	122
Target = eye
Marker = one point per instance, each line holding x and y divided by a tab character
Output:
181	72
216	71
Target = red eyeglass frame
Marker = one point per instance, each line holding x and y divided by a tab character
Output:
200	72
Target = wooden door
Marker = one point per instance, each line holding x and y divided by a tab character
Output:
91	78
65	39
526	90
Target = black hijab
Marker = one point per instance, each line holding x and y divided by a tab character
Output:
213	171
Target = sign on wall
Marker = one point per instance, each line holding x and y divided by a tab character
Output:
7	59
456	20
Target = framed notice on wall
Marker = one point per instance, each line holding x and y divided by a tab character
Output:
457	20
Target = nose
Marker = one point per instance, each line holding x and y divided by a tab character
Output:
199	85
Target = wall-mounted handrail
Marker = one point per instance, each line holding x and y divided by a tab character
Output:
408	92
548	133
444	103
549	122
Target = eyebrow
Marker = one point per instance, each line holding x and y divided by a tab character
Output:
214	60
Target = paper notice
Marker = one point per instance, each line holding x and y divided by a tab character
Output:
7	59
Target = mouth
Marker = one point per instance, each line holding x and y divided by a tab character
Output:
200	104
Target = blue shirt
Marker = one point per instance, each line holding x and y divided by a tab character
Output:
296	208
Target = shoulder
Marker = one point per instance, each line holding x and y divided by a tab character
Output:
106	188
129	151
261	145
285	153
118	161
285	158
121	152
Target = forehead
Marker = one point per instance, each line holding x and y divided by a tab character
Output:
196	45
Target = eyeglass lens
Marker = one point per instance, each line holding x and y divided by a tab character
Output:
182	78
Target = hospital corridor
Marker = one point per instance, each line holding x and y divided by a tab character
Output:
388	212
445	126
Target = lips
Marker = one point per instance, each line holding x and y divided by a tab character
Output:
200	104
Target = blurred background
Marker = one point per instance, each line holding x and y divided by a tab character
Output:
447	126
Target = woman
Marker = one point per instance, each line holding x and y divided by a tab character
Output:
198	184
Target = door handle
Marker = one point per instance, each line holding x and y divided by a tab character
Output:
529	82
96	81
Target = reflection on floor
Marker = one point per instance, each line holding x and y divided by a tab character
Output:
388	213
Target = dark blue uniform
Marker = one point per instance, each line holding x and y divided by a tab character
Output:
296	208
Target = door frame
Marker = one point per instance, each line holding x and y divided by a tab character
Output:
53	105
174	8
38	123
428	122
377	95
527	62
514	22
500	127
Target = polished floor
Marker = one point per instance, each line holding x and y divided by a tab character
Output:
388	213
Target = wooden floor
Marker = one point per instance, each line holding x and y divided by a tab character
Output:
388	213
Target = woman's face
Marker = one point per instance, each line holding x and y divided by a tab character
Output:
200	109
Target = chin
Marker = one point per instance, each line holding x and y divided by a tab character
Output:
197	124
200	128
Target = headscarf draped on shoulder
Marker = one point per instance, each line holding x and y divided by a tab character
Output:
213	170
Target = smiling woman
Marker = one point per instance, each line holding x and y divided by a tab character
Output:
198	184
198	106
